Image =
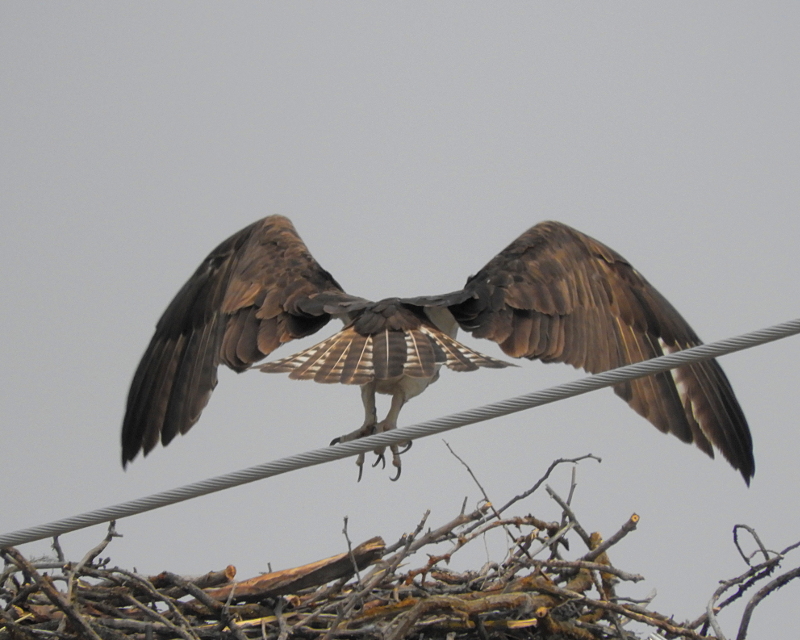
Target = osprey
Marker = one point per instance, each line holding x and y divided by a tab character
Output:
554	294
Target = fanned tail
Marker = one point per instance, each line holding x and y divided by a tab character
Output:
351	358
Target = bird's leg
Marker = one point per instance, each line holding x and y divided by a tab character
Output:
388	423
370	422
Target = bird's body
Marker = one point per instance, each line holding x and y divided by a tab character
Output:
389	347
553	294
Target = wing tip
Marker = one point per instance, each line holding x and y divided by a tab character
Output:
130	449
747	467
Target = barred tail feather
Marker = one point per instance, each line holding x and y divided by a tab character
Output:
345	357
460	357
351	358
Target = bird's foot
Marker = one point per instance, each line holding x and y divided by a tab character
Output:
369	429
396	449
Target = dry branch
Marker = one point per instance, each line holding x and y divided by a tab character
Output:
309	575
519	598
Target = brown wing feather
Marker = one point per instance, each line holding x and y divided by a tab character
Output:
558	295
254	292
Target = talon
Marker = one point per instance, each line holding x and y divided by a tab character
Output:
396	462
405	448
397	465
360	463
380	459
367	429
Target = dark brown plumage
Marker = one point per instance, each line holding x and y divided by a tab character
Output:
244	301
557	295
553	294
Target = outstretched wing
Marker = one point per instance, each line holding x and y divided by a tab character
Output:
255	291
557	295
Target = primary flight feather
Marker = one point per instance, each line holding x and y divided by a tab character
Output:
554	294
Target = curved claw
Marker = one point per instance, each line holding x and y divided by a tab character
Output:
405	448
397	475
360	463
380	459
335	441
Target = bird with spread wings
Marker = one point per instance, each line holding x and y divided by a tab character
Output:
554	294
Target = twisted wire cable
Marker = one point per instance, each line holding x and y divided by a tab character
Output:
403	434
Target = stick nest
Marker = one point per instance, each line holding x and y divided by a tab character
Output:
367	591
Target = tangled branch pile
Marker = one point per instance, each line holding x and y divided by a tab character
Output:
363	593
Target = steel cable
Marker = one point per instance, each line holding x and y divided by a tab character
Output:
403	434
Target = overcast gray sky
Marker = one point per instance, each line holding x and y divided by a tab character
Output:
409	143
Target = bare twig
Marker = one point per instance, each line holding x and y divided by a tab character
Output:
89	557
56	546
184	633
711	617
745	581
762	593
350	551
593	566
488	502
624	530
753	533
284	630
45	583
791	547
542	480
196	592
570	514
